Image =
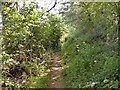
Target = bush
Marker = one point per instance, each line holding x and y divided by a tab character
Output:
90	52
26	37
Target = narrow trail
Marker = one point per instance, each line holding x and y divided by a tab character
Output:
55	70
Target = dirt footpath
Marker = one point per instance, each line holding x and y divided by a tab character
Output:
56	69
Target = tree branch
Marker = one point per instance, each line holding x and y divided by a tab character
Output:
52	7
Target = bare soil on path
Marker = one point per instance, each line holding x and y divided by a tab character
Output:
56	81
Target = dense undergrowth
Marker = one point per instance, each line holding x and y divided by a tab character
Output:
28	36
90	50
89	45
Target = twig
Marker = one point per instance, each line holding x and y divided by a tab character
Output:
52	7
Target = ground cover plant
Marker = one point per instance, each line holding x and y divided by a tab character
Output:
91	50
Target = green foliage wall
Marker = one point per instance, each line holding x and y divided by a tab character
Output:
90	52
26	36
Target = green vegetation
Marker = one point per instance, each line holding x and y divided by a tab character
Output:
39	82
85	35
27	38
90	52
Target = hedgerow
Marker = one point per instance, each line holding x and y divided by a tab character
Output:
27	37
